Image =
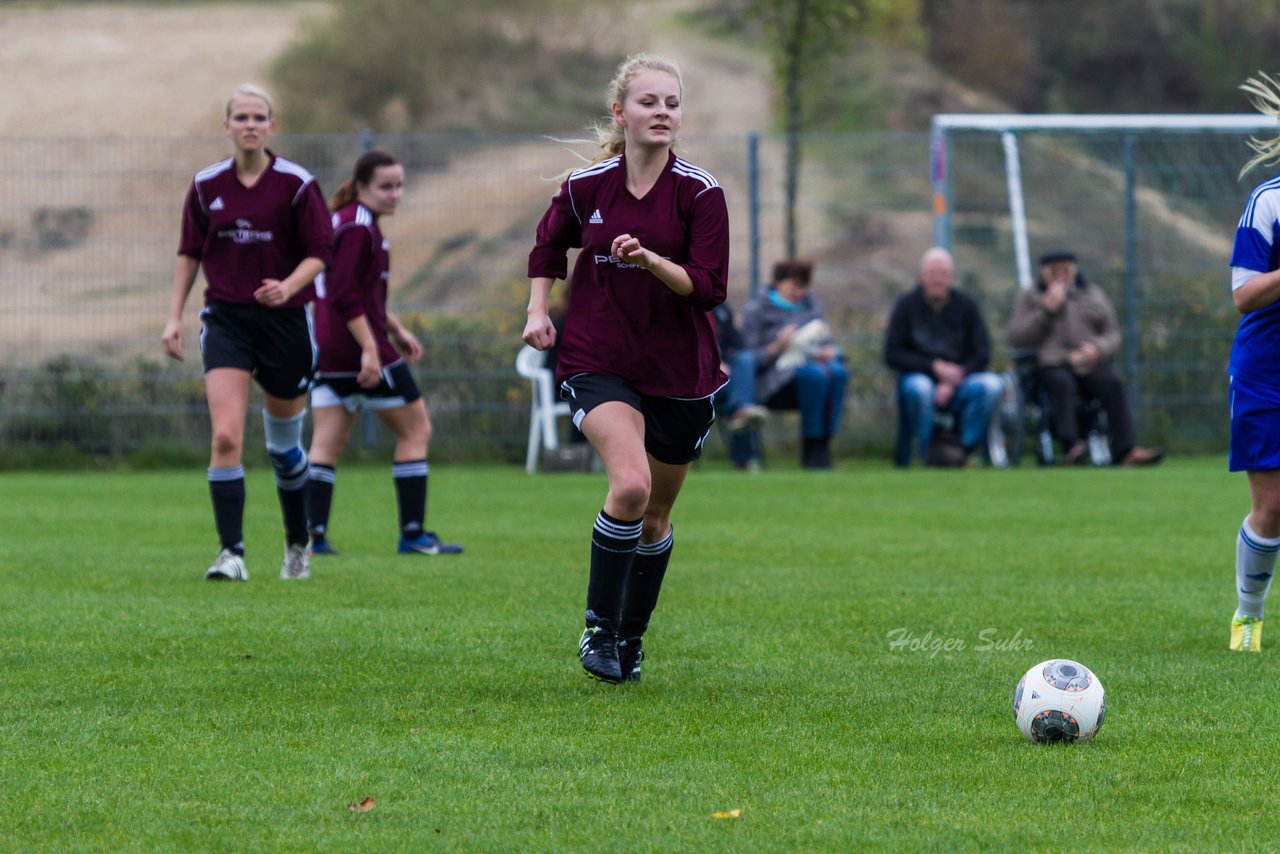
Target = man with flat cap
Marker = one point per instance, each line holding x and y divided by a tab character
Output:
1072	326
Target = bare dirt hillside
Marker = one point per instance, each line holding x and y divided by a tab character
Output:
125	69
123	87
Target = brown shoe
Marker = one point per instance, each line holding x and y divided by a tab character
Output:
1140	456
1077	455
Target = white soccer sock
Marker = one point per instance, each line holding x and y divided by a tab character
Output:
1255	564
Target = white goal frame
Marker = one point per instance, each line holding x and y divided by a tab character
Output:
1009	125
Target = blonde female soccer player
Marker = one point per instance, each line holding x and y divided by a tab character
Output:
1255	380
258	225
638	360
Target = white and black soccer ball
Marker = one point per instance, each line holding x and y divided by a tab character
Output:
1059	700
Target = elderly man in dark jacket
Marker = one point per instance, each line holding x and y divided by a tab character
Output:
938	343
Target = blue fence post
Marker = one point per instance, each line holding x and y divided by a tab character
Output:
753	207
940	178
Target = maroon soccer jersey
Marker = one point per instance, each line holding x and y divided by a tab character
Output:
622	320
242	235
355	285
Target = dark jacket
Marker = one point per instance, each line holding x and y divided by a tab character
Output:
917	334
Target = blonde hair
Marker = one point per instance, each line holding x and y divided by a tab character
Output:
608	134
1265	95
253	91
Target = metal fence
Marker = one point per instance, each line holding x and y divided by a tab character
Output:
89	229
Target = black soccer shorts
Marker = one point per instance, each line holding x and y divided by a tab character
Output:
275	345
397	388
675	428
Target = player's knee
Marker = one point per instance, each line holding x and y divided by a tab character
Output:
1265	519
632	490
226	443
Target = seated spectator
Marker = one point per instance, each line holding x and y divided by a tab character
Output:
1072	326
938	343
736	402
798	365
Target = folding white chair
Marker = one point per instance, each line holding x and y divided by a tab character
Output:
543	406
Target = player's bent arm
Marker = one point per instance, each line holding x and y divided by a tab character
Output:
1257	292
302	275
184	276
539	332
672	275
370	366
404	340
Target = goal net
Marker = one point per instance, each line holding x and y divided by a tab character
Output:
1148	202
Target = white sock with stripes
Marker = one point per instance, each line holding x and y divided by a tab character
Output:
1255	565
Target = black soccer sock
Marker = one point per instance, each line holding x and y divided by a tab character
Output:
289	460
613	549
640	594
291	485
319	500
410	478
293	508
226	489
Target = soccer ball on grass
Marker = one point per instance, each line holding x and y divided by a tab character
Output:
1059	700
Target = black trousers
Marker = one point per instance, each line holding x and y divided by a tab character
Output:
1065	388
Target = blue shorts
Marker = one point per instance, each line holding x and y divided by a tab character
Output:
1255	427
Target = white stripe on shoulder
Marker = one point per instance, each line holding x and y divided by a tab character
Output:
216	169
1264	196
684	167
290	168
596	168
362	218
588	172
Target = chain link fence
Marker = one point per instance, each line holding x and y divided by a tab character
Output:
89	230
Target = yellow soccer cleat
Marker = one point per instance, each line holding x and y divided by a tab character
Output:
1246	634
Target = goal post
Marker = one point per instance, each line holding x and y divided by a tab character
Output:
1008	126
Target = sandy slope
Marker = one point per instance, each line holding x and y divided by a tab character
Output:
128	69
120	82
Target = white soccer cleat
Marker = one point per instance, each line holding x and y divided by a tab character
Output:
297	563
228	567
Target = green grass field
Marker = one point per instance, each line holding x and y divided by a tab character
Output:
145	709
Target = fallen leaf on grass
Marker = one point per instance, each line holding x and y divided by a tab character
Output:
728	814
363	806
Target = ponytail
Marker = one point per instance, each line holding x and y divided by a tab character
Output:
344	195
368	163
1265	92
